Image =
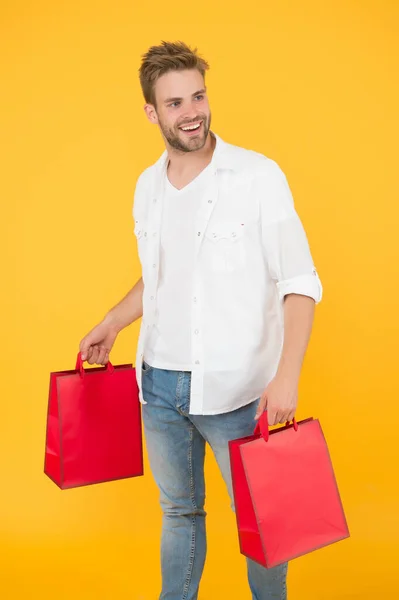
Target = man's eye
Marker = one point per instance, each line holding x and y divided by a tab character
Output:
200	97
174	104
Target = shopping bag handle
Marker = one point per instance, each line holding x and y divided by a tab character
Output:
262	426
79	366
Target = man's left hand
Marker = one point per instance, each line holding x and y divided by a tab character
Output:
280	399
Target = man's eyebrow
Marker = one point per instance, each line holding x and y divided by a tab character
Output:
177	99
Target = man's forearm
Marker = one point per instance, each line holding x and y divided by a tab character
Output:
298	321
129	309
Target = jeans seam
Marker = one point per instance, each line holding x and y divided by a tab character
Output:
179	387
189	392
285	571
193	518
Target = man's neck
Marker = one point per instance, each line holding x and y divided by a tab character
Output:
185	164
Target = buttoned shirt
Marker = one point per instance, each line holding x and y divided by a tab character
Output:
168	345
250	251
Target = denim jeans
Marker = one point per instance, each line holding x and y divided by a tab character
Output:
176	449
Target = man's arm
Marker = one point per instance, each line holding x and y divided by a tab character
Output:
128	310
291	268
281	395
298	320
96	345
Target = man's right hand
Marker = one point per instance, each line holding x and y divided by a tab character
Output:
97	344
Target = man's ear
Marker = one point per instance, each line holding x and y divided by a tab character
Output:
151	113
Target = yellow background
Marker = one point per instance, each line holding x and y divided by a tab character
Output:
313	85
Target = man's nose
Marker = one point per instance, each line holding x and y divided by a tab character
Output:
190	113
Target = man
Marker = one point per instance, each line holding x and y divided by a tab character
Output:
227	296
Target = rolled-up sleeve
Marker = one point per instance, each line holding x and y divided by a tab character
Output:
285	242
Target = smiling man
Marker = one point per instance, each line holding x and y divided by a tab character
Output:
227	296
195	133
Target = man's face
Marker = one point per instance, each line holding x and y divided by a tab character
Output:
182	103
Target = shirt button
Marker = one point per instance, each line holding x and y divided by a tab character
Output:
152	297
199	233
154	265
233	234
195	299
197	362
196	332
210	201
154	200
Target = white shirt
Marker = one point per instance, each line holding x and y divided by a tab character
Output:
169	341
250	250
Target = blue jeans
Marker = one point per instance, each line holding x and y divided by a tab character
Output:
176	449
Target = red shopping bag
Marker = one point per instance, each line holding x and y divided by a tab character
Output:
286	497
93	426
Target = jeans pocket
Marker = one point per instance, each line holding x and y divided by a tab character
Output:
145	367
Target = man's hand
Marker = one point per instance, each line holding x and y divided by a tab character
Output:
97	344
280	399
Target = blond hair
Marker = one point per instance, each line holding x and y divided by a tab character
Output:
168	56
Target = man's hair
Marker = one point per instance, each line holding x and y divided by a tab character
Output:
168	56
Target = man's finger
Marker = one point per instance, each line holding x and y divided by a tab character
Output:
261	407
101	355
94	356
271	417
83	347
285	417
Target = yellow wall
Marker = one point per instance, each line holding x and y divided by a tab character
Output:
313	85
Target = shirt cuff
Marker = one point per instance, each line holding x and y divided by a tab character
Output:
304	285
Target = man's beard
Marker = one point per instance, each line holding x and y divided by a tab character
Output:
175	139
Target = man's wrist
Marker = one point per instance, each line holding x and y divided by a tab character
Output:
288	372
111	321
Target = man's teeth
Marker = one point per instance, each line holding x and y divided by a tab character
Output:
191	127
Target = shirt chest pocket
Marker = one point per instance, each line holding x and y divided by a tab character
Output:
225	247
140	229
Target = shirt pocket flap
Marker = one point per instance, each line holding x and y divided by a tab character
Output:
140	229
226	230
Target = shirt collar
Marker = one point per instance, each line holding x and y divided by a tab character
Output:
222	158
